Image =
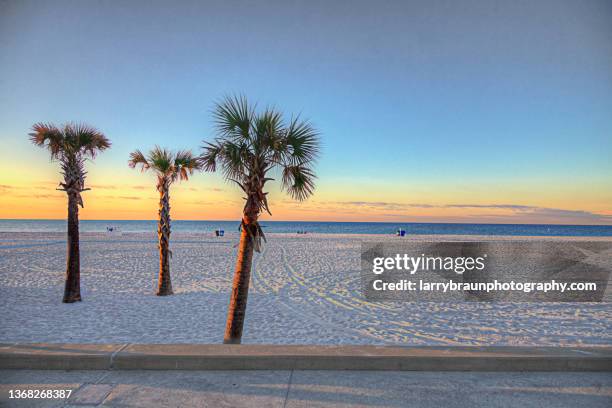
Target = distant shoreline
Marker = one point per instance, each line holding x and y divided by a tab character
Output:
14	239
304	221
316	227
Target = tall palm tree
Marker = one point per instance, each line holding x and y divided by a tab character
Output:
249	145
71	144
168	167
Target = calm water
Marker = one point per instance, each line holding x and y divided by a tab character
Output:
319	227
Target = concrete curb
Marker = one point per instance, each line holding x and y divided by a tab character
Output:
277	357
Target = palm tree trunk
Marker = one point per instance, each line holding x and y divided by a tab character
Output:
72	290
164	286
240	287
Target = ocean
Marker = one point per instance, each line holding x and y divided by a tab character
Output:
384	228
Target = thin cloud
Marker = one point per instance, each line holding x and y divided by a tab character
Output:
492	206
516	211
555	212
53	196
540	212
129	198
121	197
217	203
383	204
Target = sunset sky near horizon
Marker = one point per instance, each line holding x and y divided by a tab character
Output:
429	111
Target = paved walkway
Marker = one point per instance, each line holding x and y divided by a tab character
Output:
297	388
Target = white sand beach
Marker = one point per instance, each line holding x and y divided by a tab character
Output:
305	290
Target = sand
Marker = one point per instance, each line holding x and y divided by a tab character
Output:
305	290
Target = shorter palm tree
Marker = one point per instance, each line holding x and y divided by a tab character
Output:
71	144
168	167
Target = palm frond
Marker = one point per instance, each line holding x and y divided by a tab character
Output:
161	160
269	129
168	166
302	142
210	155
298	181
233	116
49	136
70	144
70	139
138	158
249	145
235	159
90	140
185	164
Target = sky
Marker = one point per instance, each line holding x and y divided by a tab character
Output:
429	111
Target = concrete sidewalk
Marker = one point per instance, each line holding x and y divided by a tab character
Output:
277	357
296	388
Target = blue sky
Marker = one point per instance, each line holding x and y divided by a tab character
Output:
434	102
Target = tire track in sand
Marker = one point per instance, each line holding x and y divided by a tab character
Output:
355	306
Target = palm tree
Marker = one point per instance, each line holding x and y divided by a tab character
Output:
249	145
168	167
71	144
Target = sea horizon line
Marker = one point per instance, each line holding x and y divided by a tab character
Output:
314	222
